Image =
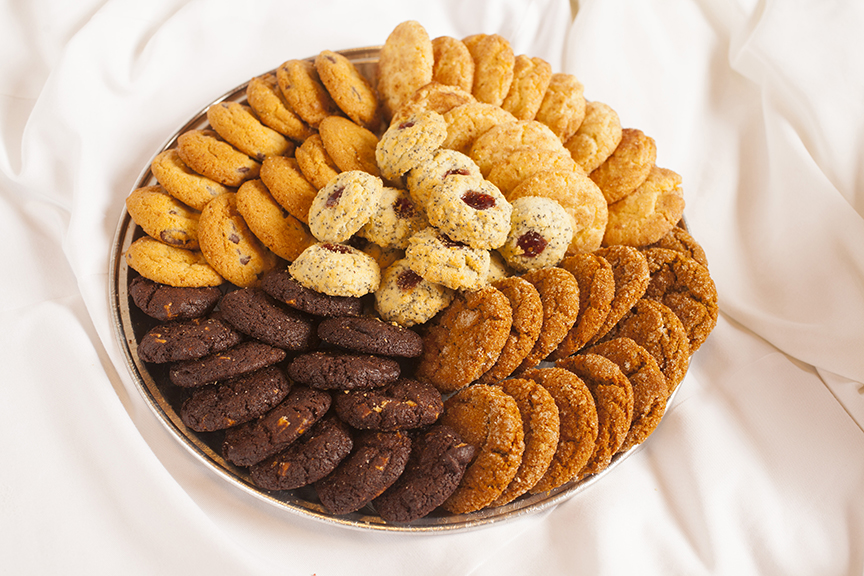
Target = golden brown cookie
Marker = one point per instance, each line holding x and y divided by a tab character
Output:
351	92
315	163
489	420
579	197
440	98
306	95
466	340
239	126
596	282
230	246
630	269
493	66
467	122
164	217
171	265
285	181
681	240
649	212
266	99
404	65
526	161
452	64
686	287
206	153
527	320
531	76
351	146
541	428
277	229
578	427
597	136
563	105
650	391
182	182
627	167
613	397
494	145
559	293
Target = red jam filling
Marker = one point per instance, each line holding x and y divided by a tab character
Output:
532	244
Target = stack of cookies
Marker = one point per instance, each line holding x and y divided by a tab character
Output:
447	286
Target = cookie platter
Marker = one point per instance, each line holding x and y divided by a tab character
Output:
165	399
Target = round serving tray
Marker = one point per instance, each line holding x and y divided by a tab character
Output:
165	399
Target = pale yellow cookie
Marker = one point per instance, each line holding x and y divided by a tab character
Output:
344	206
471	212
397	218
440	98
627	167
531	77
164	217
238	125
493	66
407	144
649	213
467	122
171	265
206	153
597	136
300	84
336	270
406	298
526	161
563	105
281	232
266	99
442	166
453	64
440	260
404	65
285	181
315	163
182	182
348	88
494	145
540	233
351	146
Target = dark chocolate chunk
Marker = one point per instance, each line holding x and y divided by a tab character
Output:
187	340
254	313
241	359
333	370
403	405
164	302
371	336
283	288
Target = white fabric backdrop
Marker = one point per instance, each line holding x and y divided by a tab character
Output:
757	469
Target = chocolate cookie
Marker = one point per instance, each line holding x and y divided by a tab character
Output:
164	302
435	467
306	460
370	335
254	313
254	441
282	287
178	341
377	460
630	269
240	359
234	401
332	370
403	405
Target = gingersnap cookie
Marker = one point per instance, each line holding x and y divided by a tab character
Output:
649	212
559	293
580	197
435	467
501	140
525	325
336	370
681	240
404	65
186	340
397	218
274	226
164	217
266	99
613	397
280	285
524	162
165	303
440	260
255	313
597	136
541	427
474	213
531	77
563	105
253	441
241	358
239	126
627	167
344	206
315	163
596	282
650	391
467	122
306	95
656	328
540	233
351	146
493	66
630	269
452	63
465	340
234	401
406	298
371	335
171	265
686	287
205	152
288	186
314	455
336	270
444	165
182	182
403	405
351	92
230	246
408	143
578	429
437	97
489	420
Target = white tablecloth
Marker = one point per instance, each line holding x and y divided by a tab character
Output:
758	468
